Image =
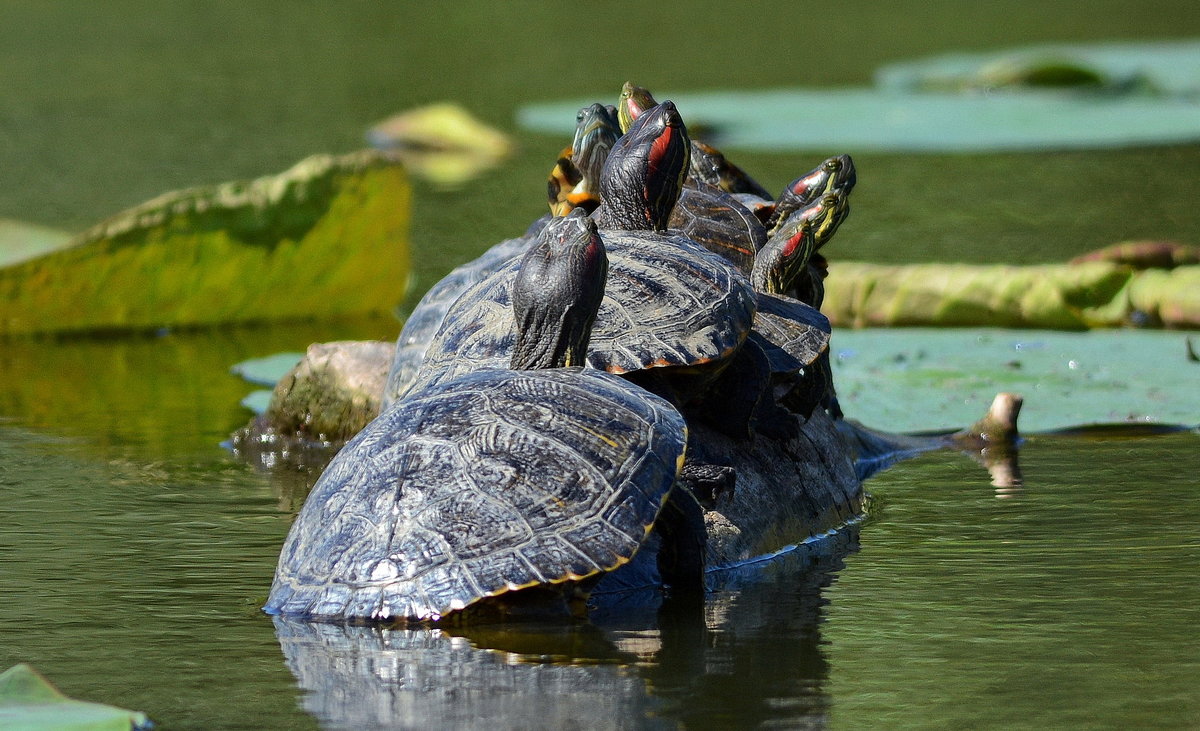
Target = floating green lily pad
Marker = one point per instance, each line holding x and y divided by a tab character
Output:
28	702
866	119
1168	68
267	371
923	379
325	238
258	401
1142	94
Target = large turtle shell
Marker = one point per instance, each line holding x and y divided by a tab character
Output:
668	302
718	222
493	482
796	334
427	316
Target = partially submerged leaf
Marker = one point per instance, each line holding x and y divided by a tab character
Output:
29	702
1055	296
442	143
325	238
923	379
267	371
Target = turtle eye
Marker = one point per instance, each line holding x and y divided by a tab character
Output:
833	165
579	117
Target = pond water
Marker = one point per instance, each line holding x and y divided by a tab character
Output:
135	551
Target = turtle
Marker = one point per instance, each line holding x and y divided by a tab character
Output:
707	165
502	484
789	262
834	174
595	133
670	304
573	180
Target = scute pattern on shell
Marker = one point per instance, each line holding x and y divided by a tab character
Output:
720	223
797	334
427	316
478	486
668	302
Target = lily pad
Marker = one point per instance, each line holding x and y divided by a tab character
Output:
923	379
1142	94
325	238
442	143
870	119
267	371
1170	68
1059	296
29	702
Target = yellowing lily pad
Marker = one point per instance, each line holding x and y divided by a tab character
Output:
28	702
442	143
325	238
1057	296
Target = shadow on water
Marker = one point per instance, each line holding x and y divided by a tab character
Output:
642	664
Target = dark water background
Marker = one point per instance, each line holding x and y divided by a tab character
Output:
134	552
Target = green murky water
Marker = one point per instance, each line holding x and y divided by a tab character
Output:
135	551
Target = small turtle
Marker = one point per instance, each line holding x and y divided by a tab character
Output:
499	484
835	174
784	265
573	181
707	165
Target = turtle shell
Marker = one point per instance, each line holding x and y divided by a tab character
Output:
427	316
668	302
718	222
795	334
493	482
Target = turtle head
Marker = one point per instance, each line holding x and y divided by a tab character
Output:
634	100
557	293
596	131
827	214
644	173
784	257
786	254
836	173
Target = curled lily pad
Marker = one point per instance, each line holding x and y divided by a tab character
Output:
325	238
29	701
1057	296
